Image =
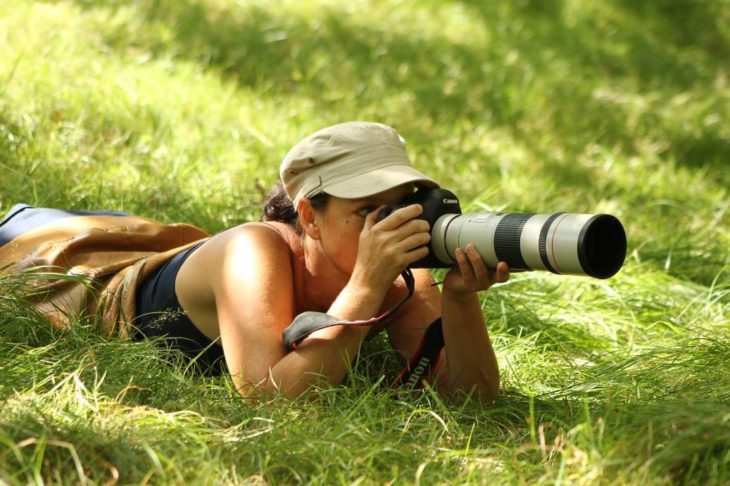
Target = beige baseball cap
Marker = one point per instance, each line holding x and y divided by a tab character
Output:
350	160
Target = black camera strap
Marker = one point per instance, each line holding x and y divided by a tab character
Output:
421	366
307	322
424	362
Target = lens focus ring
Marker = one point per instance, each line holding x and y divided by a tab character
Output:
507	240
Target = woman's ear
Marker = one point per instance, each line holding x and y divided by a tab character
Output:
307	218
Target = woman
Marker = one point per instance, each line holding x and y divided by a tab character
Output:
321	249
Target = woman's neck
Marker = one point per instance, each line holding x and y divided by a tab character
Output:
317	281
323	281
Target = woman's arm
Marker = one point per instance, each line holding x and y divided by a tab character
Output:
254	298
468	363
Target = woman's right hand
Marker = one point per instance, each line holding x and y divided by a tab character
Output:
386	247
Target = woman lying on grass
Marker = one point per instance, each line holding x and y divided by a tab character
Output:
320	248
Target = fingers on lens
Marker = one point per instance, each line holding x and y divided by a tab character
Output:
474	257
461	259
503	272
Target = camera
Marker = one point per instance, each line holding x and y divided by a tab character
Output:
562	243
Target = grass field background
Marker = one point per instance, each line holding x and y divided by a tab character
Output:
181	110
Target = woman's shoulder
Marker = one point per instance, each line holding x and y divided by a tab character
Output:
255	237
235	271
285	231
248	246
251	240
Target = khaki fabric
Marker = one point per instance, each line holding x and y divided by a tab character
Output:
350	160
111	254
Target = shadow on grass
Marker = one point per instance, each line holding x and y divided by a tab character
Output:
67	446
667	47
639	40
669	407
684	23
687	440
334	57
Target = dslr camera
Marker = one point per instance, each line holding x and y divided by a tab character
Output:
562	243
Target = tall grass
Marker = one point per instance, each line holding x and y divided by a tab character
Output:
180	110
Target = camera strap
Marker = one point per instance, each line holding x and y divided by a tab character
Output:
308	322
424	362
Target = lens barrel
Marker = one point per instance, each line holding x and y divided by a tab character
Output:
563	243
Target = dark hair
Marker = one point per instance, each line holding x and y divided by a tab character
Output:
278	206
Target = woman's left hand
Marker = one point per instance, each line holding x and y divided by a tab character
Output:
471	273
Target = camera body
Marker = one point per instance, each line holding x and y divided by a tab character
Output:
436	202
562	243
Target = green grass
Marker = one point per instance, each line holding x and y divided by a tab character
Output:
181	110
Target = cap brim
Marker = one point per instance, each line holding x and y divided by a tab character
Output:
377	181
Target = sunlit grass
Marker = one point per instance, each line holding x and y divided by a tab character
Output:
181	111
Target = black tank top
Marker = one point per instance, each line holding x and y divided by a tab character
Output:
159	314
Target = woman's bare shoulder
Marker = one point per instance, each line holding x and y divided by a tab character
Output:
241	246
254	237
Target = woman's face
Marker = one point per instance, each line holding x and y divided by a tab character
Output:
342	220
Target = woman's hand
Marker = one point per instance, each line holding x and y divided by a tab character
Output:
471	273
386	247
